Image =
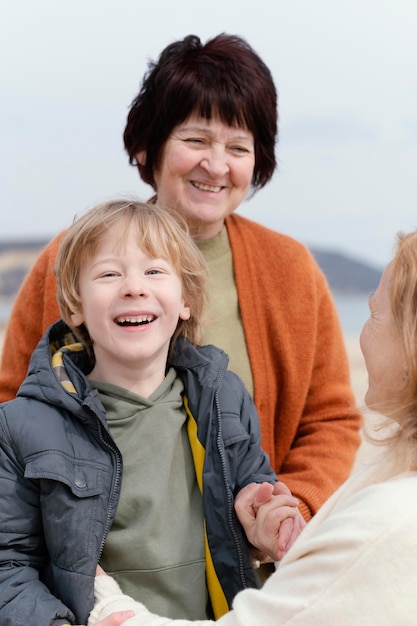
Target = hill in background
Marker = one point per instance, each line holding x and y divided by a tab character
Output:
345	274
16	258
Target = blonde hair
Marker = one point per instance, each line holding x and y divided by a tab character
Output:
160	234
403	299
404	308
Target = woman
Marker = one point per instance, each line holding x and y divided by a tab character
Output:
354	564
202	132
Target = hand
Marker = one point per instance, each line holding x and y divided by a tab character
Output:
291	527
116	619
288	533
270	518
111	607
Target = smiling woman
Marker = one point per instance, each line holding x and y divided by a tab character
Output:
207	170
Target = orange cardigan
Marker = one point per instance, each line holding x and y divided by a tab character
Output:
310	425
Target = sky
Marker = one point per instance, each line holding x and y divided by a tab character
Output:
346	75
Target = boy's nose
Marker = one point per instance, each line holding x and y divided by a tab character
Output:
134	287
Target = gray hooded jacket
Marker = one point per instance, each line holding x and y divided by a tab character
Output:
61	472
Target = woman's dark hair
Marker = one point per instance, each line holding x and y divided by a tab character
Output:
224	78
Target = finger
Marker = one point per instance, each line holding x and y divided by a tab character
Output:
263	495
276	502
285	533
281	488
244	501
265	530
298	525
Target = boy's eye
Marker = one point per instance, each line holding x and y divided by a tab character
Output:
155	271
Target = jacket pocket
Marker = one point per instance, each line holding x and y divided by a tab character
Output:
72	506
233	431
236	442
83	478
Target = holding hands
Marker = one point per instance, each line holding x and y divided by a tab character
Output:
270	517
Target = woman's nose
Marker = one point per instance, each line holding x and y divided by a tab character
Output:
215	161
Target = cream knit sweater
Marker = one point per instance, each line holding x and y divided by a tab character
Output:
353	565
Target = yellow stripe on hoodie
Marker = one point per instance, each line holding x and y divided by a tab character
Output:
217	597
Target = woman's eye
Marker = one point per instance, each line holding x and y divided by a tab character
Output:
196	140
240	149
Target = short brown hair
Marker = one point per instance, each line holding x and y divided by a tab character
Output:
224	77
159	234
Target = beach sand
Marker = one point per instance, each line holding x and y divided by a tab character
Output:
359	380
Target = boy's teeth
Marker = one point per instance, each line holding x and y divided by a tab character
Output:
135	319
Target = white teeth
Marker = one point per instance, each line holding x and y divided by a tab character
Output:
135	319
212	188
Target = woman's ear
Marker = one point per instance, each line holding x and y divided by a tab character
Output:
141	157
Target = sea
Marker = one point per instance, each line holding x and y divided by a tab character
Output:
353	312
4	312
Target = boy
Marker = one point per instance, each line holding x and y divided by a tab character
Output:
132	398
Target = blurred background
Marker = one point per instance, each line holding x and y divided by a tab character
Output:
346	75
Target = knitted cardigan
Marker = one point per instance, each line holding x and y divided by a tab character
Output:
309	422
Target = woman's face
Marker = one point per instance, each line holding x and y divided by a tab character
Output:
205	172
382	348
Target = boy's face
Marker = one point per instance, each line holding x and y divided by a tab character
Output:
131	305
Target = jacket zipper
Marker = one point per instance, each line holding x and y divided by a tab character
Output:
228	495
116	455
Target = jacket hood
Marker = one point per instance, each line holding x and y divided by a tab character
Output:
208	363
59	365
56	373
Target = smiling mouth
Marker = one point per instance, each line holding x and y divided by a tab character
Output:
212	188
135	320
